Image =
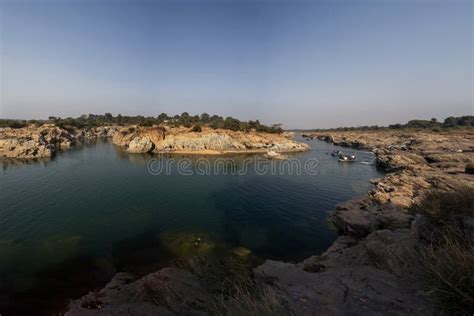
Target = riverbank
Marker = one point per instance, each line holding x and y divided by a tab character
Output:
372	268
45	141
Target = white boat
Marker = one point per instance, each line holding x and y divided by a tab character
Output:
344	158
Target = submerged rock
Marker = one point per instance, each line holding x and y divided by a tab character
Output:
187	244
241	251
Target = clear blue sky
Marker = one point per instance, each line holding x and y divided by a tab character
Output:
301	63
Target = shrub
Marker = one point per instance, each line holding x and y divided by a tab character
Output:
448	258
214	125
447	207
470	168
196	129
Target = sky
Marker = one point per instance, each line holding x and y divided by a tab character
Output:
305	64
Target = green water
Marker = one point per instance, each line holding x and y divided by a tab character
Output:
70	223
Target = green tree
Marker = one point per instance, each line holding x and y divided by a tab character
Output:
205	118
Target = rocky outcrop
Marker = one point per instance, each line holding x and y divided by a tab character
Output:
169	291
360	216
34	142
208	141
370	276
44	141
140	144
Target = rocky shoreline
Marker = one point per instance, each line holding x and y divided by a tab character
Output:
372	268
209	141
36	142
44	141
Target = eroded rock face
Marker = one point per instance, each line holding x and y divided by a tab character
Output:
181	140
140	144
44	141
34	142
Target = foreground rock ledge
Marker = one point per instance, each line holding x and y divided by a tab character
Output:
372	276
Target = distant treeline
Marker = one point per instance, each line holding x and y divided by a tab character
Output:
186	120
433	124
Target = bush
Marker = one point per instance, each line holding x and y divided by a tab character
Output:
12	123
196	129
447	207
470	168
214	125
448	258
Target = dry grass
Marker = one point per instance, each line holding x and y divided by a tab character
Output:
235	288
449	256
241	295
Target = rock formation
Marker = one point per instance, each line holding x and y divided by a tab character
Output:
209	141
45	140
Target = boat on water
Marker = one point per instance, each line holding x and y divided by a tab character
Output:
346	158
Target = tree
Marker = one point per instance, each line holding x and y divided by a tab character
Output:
162	117
232	124
205	117
108	117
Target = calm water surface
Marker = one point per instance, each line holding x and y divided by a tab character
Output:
67	225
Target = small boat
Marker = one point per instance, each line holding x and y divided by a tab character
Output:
344	158
336	153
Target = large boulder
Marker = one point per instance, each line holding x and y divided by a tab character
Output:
140	144
373	276
361	216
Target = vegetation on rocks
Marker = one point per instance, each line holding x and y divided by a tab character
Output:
448	257
185	119
196	129
433	125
